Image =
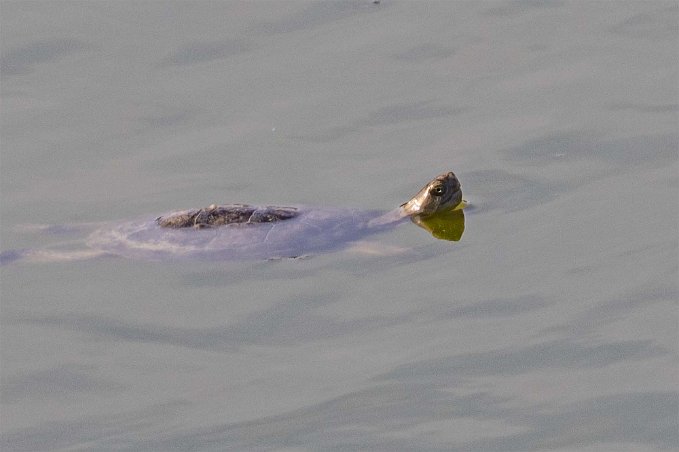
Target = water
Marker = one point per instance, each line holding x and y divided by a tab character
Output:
552	324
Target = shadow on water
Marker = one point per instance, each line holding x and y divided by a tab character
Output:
386	116
314	16
22	60
561	353
631	152
501	190
290	322
57	382
204	51
373	419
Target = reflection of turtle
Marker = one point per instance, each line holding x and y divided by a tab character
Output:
240	231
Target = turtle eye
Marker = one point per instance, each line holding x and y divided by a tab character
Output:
437	191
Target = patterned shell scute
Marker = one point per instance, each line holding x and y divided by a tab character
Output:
215	215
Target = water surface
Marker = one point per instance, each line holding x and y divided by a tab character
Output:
552	324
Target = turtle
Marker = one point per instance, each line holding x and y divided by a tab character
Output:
244	231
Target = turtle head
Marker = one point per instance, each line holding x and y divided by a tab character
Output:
443	194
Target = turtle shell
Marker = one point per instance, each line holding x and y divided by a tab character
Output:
215	215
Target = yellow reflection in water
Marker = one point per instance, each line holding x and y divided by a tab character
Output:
445	225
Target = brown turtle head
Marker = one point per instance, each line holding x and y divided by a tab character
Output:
442	194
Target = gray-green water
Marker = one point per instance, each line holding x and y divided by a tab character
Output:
552	324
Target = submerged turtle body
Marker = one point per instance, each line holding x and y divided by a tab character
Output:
242	231
308	231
